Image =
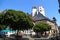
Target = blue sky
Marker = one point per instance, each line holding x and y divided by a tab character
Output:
50	6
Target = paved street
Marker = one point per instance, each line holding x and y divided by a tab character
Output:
14	39
26	39
6	39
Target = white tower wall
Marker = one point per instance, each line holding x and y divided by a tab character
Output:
34	10
41	10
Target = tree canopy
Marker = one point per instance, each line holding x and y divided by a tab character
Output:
17	20
2	26
41	27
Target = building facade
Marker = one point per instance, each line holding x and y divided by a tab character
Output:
38	14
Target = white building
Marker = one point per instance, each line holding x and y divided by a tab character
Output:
36	11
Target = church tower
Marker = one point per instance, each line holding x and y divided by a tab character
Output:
41	10
34	11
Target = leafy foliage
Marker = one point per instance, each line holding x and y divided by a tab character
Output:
41	27
2	27
16	20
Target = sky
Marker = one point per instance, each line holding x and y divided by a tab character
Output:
50	6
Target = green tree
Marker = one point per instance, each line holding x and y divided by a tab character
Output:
16	20
2	26
41	27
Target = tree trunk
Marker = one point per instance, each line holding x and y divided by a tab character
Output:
19	35
41	34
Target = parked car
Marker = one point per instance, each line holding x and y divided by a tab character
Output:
2	34
7	33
